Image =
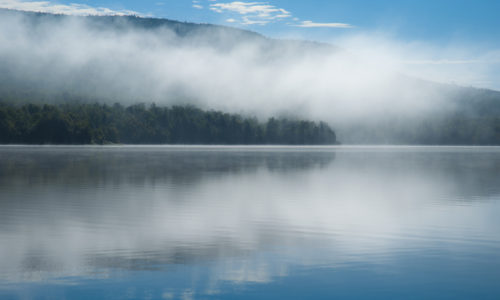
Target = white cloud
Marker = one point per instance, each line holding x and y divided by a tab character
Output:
253	21
310	24
70	9
259	8
252	12
444	62
197	5
262	13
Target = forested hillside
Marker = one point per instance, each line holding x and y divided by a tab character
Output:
141	124
61	74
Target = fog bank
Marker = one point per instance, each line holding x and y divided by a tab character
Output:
128	60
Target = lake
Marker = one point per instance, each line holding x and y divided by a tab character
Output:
145	222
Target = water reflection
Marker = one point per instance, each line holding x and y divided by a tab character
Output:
147	165
242	215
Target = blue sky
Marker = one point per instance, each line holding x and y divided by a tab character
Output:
451	36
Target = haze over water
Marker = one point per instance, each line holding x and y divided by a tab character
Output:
249	222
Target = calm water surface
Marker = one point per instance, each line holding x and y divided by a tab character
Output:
249	223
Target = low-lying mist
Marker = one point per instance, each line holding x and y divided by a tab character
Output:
128	60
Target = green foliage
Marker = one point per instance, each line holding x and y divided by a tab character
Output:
141	124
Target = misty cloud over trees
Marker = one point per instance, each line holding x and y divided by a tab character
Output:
54	59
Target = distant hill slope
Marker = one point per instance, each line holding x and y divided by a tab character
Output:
218	36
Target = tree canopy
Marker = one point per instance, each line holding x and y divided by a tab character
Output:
150	124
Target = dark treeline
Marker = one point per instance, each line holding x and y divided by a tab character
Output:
142	124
